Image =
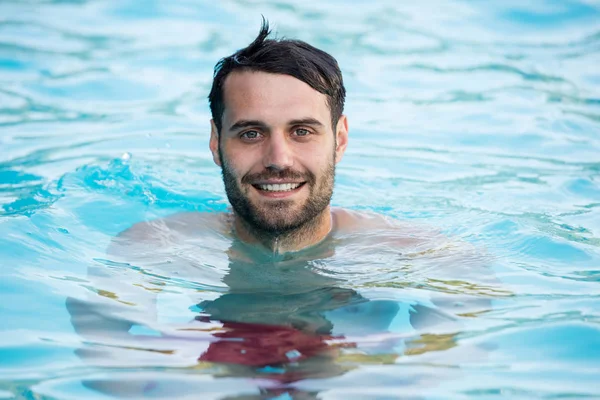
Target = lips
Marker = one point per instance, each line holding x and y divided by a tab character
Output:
278	184
278	187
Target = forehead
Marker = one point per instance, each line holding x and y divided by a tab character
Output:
272	98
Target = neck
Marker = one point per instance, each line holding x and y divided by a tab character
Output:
307	235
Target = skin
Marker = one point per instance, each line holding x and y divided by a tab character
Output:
273	124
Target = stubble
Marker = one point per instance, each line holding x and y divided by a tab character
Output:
279	217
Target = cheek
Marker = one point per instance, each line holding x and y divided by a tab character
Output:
240	162
318	158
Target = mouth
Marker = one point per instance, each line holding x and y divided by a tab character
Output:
278	189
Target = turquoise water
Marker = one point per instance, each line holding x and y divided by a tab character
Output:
480	119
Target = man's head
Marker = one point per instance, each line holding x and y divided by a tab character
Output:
278	131
304	62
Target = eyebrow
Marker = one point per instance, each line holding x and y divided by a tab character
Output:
306	121
246	123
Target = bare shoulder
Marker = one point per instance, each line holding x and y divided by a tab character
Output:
445	255
350	221
166	231
413	238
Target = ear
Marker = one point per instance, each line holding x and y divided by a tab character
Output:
341	136
214	142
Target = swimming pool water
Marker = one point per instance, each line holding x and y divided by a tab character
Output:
480	119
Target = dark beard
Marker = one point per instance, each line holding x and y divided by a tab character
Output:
257	218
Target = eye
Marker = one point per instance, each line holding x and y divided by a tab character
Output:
250	135
302	132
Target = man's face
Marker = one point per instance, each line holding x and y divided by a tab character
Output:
277	150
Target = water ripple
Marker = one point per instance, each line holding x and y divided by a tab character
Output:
478	119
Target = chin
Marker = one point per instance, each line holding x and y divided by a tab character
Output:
279	220
282	223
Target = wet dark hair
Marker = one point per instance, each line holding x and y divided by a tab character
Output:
296	58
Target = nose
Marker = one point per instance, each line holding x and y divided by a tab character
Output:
279	154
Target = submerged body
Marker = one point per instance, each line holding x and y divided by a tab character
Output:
186	290
359	249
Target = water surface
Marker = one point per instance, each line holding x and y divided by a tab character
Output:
478	119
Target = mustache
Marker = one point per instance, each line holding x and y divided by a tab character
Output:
284	174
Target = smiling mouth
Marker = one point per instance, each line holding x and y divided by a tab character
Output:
279	187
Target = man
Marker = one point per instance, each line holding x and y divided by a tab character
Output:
277	133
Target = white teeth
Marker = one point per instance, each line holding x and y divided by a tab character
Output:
283	187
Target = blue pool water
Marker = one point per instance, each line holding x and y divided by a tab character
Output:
479	119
